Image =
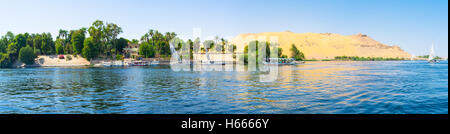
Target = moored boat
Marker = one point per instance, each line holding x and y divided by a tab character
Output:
106	64
139	63
282	61
117	63
154	63
431	58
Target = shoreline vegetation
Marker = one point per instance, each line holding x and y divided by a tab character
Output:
101	42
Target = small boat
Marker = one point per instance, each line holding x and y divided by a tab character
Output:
431	58
282	61
106	64
117	63
154	63
139	63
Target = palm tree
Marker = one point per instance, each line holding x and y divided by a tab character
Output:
173	34
62	34
145	37
157	37
167	35
151	33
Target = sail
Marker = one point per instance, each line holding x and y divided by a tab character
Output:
431	56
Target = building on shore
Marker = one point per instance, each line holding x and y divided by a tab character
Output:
131	51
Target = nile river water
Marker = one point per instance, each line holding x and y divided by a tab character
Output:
379	87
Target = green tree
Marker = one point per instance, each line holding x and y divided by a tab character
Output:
111	32
65	43
3	44
26	55
37	41
146	50
134	41
9	36
21	41
89	50
191	49
97	32
121	43
30	39
63	34
5	60
164	48
119	57
12	50
47	46
208	45
280	52
59	46
296	54
78	38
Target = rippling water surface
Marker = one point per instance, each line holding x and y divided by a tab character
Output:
391	87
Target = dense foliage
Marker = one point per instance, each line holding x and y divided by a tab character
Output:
26	55
90	49
146	50
119	57
297	54
59	46
77	40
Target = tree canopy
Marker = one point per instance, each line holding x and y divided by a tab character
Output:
90	49
26	55
297	54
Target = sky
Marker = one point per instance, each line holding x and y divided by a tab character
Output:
411	24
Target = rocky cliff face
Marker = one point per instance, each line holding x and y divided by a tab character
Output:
324	45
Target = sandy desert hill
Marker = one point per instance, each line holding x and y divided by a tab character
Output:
325	45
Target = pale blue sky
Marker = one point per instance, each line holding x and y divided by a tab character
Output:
411	24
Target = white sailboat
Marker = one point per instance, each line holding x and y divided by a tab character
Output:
431	56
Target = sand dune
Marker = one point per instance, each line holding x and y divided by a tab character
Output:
325	45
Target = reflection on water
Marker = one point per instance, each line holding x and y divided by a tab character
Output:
316	87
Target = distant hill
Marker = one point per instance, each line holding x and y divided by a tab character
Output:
325	45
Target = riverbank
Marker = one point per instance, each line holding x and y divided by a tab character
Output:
77	61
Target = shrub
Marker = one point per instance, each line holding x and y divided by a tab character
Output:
5	60
296	54
68	58
119	57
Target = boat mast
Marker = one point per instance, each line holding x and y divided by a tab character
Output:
431	56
